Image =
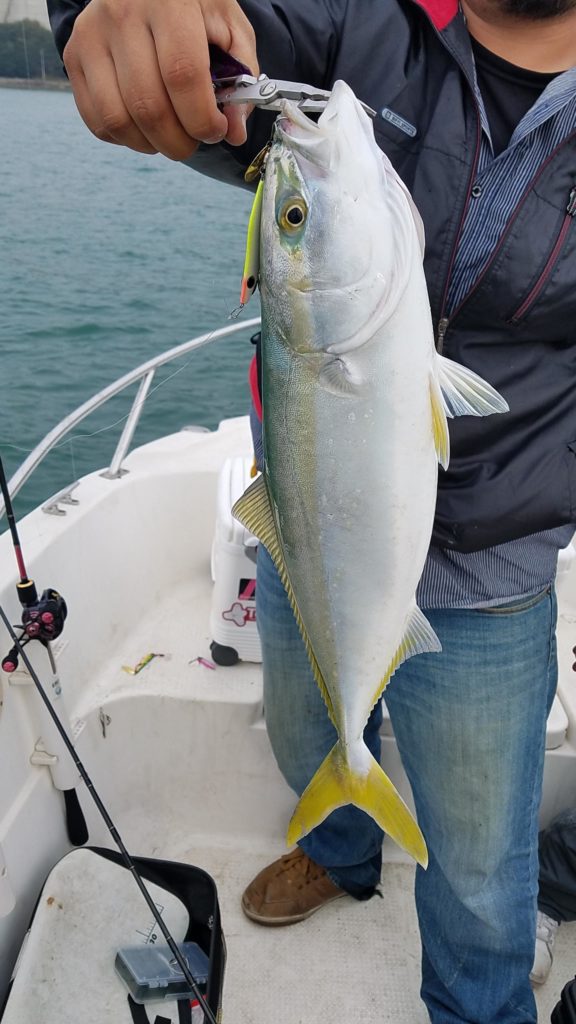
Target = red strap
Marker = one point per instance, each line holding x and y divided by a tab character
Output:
441	12
254	389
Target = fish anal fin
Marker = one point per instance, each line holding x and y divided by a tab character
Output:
439	424
465	393
419	638
254	511
336	784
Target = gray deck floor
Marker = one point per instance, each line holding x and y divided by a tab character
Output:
352	962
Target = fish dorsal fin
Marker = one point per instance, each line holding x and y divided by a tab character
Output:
419	638
464	393
254	511
439	424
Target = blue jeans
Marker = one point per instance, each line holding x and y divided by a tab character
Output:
470	725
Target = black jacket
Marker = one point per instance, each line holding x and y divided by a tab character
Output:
510	475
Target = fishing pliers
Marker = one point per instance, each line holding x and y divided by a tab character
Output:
233	83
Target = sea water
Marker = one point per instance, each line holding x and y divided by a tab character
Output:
108	258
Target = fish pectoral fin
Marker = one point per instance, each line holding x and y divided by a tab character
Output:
254	511
337	377
419	638
336	784
464	393
439	424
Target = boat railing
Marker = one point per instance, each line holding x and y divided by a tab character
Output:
145	375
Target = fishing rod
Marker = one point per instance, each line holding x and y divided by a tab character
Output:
43	619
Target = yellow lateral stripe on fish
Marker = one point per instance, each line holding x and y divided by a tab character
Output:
254	511
252	258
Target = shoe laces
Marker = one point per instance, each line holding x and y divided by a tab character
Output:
299	862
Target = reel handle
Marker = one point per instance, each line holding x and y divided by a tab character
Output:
10	662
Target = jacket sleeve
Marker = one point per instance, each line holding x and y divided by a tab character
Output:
63	14
296	40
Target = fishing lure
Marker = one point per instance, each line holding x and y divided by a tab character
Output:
141	664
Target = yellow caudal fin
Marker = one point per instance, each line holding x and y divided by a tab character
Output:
336	783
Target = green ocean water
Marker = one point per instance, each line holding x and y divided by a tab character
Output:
107	258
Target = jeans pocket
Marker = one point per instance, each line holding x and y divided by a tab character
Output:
512	608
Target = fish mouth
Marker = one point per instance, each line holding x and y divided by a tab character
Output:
302	136
292	118
320	142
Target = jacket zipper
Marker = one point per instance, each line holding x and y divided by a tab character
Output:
445	321
442	328
551	262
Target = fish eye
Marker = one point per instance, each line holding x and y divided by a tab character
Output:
292	214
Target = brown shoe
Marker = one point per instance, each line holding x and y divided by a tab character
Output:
289	890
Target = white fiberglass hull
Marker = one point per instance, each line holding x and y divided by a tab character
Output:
180	753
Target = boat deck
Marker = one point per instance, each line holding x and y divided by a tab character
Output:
180	753
351	962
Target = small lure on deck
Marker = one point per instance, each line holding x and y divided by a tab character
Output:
202	661
141	664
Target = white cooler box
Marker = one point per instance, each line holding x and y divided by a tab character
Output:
233	614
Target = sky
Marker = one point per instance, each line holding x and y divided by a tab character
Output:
15	10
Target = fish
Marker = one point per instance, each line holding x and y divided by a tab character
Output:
356	402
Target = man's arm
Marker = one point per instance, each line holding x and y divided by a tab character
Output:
140	72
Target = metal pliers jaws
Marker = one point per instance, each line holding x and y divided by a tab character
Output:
269	93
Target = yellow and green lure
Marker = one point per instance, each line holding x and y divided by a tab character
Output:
252	258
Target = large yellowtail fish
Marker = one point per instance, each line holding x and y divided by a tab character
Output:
355	406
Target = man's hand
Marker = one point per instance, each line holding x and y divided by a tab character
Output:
140	72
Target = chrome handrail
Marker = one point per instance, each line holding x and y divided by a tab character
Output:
145	373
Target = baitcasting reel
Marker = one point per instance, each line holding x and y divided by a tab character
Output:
42	619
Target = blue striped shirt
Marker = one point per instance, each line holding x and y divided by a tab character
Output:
522	567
